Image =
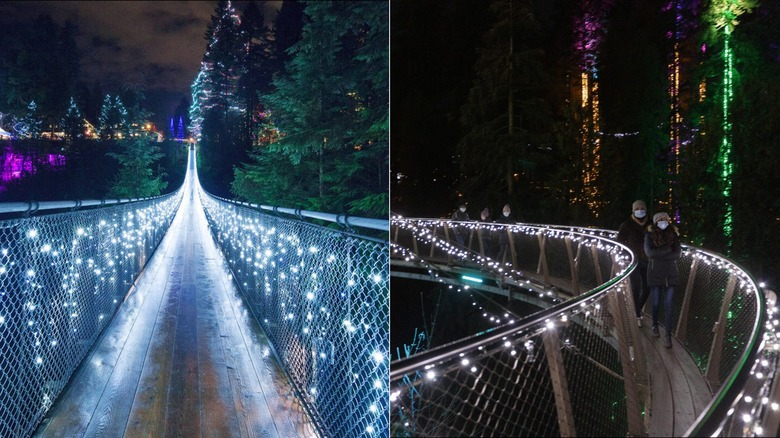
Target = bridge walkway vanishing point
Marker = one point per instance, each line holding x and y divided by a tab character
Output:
183	355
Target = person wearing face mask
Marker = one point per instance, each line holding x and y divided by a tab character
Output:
459	215
503	234
662	246
632	234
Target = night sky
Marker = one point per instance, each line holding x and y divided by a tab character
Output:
158	44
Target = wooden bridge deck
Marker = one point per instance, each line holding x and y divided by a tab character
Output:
679	391
182	357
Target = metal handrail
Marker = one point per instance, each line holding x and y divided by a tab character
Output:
341	219
32	207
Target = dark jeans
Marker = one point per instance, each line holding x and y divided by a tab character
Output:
639	287
668	292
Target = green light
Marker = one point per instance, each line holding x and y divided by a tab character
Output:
724	155
470	278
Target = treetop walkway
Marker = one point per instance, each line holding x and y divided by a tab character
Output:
580	365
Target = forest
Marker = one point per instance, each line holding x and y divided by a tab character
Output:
570	111
290	111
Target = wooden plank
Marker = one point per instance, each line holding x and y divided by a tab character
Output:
679	390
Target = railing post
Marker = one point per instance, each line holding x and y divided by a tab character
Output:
512	247
543	258
575	283
713	366
552	350
596	265
618	309
682	321
433	244
481	245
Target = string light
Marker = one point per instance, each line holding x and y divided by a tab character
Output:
591	311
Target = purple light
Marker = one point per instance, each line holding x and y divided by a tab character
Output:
15	165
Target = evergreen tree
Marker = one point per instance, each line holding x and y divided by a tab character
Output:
332	108
218	107
287	29
39	61
32	124
136	177
182	113
256	68
73	122
134	96
113	119
506	116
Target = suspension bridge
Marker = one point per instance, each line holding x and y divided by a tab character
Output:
578	364
191	315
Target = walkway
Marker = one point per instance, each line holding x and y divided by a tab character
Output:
183	356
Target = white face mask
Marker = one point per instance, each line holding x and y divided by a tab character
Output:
640	214
663	224
506	214
463	209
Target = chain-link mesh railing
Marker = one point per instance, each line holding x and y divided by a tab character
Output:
576	367
62	278
322	297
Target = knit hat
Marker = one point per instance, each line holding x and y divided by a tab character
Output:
638	205
660	217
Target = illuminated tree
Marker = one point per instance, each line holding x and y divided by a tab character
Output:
31	125
113	119
217	113
73	122
723	17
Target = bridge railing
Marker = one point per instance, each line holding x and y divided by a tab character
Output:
322	297
577	366
62	278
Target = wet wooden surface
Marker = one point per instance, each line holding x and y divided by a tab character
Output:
679	392
183	356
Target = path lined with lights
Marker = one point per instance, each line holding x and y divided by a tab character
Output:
183	356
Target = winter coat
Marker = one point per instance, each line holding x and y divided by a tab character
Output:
503	235
662	263
460	216
632	234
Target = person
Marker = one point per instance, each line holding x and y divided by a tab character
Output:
631	233
459	215
503	235
484	216
662	246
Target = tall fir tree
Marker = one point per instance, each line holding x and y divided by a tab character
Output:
332	107
217	108
136	177
506	116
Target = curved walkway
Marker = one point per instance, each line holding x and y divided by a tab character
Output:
183	355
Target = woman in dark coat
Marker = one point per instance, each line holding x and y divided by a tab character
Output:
632	234
662	246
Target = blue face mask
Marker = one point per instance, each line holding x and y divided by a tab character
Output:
663	224
640	214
